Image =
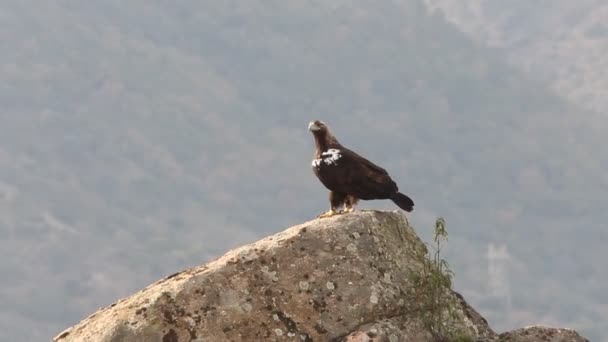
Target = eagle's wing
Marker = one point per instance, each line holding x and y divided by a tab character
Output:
362	178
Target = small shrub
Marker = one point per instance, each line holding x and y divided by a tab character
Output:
432	291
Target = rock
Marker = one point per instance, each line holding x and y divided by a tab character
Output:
541	333
344	278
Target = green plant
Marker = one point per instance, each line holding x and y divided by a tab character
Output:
432	291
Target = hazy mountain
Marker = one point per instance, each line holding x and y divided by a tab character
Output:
563	42
146	137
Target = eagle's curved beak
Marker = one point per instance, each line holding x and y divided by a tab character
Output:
313	127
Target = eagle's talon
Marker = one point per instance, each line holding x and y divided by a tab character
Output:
349	210
330	213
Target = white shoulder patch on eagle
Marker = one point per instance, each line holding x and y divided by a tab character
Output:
332	156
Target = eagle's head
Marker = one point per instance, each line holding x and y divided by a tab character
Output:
322	135
317	126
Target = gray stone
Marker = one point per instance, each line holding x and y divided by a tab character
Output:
541	333
344	278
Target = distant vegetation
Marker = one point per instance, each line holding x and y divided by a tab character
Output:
560	44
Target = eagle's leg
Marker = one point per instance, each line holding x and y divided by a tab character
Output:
349	203
336	200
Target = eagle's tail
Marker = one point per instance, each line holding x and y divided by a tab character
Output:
403	201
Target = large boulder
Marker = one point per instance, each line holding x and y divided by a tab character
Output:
346	278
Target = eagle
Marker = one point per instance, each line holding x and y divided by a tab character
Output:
348	176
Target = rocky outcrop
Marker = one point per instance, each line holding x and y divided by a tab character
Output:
344	278
539	333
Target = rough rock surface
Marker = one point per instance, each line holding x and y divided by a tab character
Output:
344	278
540	333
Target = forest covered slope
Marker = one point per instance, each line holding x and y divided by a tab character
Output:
562	42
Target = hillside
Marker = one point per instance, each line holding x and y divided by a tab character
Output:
152	136
561	42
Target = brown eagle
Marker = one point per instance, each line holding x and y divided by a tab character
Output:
348	176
